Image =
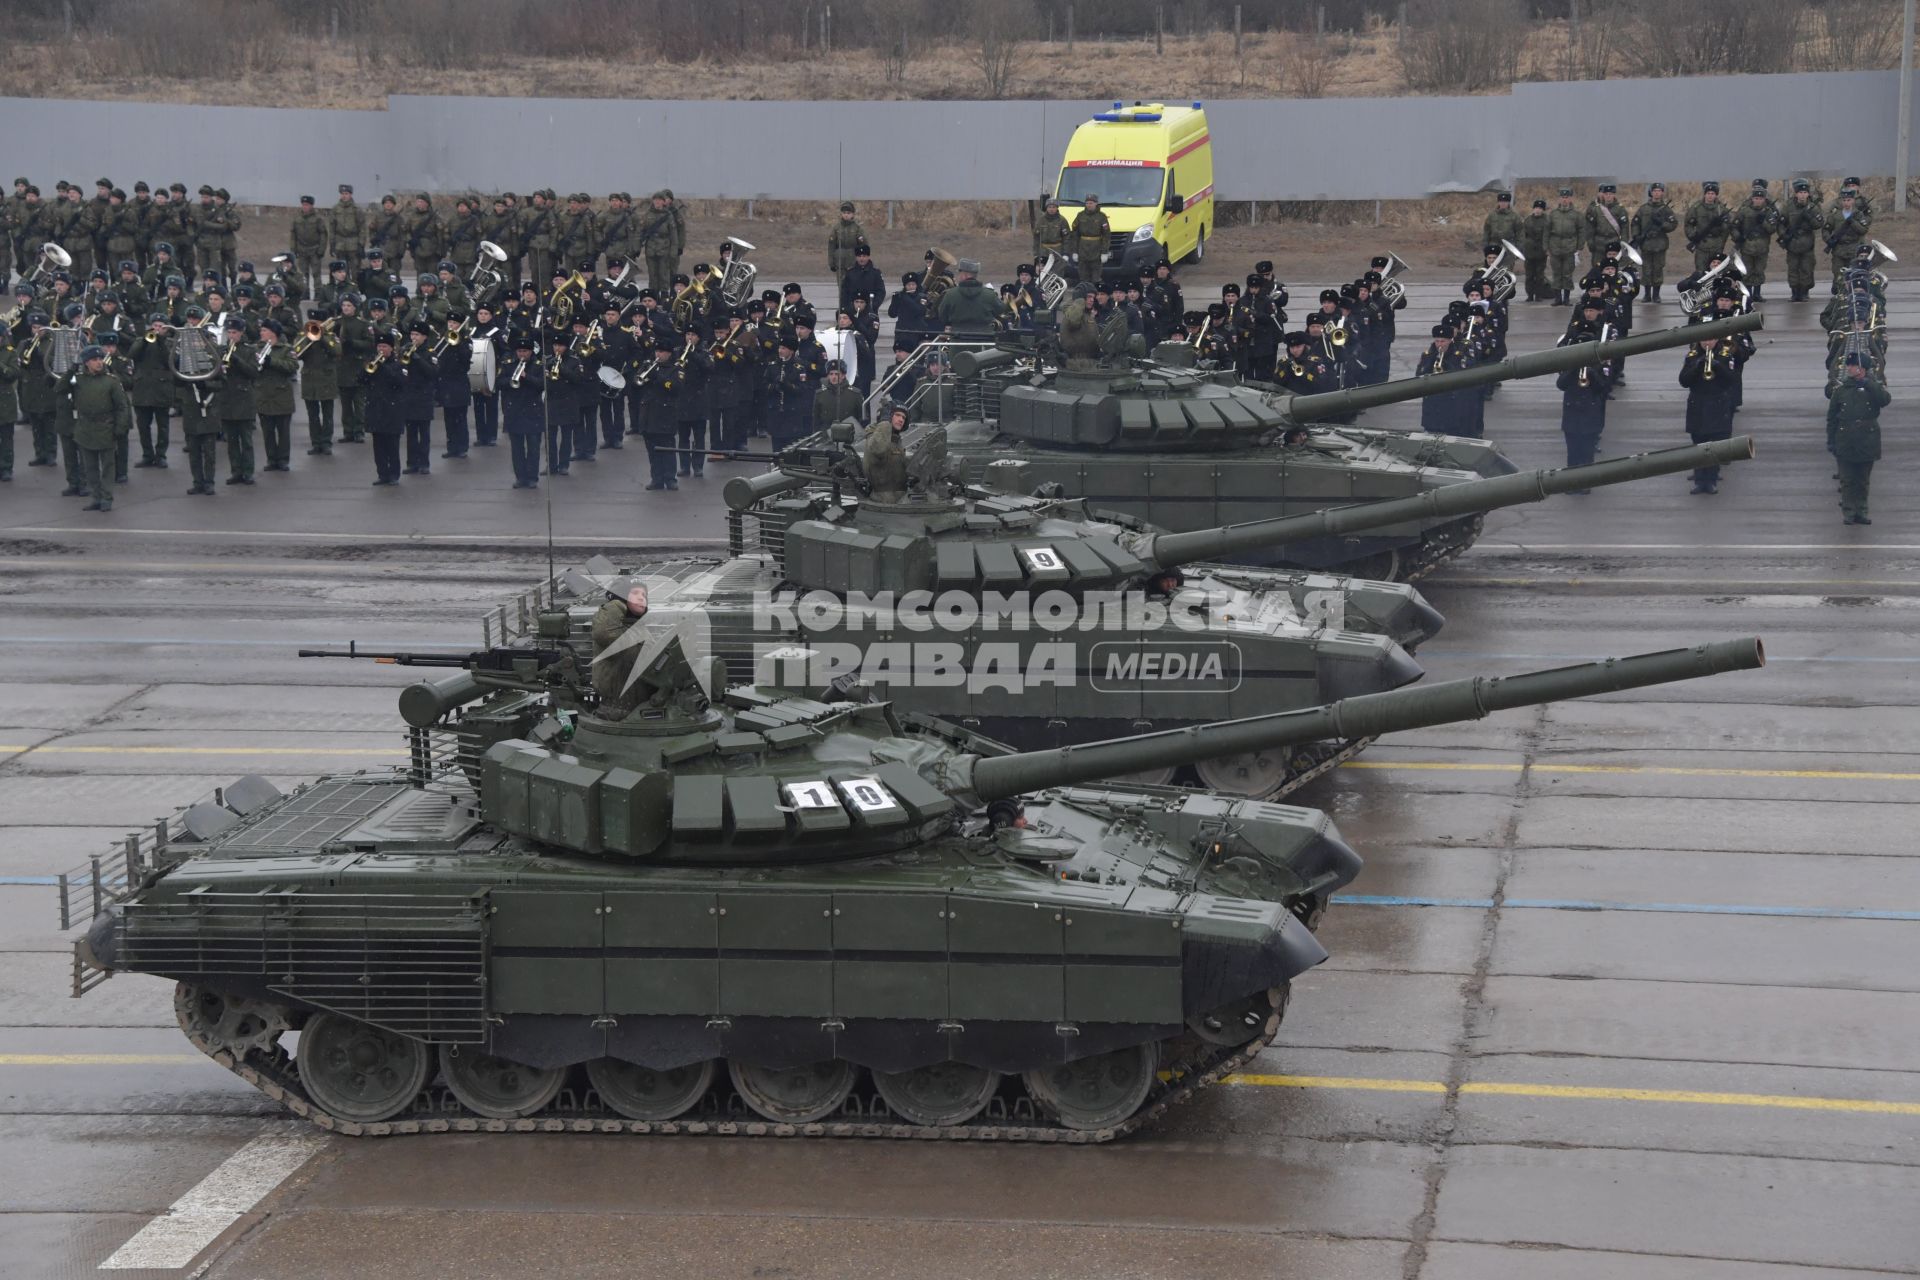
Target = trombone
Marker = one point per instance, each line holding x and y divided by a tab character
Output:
314	332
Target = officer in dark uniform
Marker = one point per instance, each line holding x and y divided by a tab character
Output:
385	382
1711	377
1853	433
1583	401
418	396
660	413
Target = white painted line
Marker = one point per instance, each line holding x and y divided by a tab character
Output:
246	1177
1494	546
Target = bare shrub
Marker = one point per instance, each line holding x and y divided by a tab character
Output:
188	39
1852	35
1305	67
1001	28
1707	37
1460	46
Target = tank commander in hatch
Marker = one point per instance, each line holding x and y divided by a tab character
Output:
618	639
885	458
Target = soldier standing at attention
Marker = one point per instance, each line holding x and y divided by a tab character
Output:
100	413
1050	234
309	237
1606	222
656	242
385	383
1092	236
346	226
1503	224
1753	230
9	400
229	230
1533	243
1565	231
1801	223
1707	226
1853	433
1653	223
843	238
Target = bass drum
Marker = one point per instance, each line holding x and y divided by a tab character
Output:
481	373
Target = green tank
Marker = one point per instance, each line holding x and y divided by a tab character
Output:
1040	622
1184	448
664	910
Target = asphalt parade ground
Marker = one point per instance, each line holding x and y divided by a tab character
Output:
1629	986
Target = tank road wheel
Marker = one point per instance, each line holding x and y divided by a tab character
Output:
1098	1092
642	1093
231	1022
1254	775
946	1093
1148	777
498	1088
360	1072
1381	566
795	1095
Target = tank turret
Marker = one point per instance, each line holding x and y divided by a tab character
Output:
1188	449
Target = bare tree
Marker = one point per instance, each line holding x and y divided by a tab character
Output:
1306	67
1853	35
1460	46
1707	37
1002	28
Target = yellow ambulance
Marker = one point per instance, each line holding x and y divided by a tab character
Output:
1151	166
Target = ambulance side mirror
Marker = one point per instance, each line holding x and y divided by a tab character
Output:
1176	204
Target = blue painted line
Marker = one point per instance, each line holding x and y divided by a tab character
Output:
1671	908
29	879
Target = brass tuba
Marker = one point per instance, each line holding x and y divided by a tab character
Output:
52	258
1700	297
1392	290
736	286
1498	277
1051	281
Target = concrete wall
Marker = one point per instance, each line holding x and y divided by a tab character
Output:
1267	149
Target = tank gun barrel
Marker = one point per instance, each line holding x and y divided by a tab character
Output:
1328	404
1470	497
1363	716
742	492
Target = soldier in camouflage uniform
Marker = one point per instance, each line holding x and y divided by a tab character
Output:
1653	223
346	227
1754	226
619	232
206	232
1848	223
1801	224
657	244
1503	223
1566	229
1606	222
229	230
579	231
1533	243
464	234
540	234
426	236
1092	239
842	239
309	246
1708	224
501	227
1050	234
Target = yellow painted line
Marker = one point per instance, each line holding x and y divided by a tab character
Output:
1787	1102
209	751
1649	770
98	1059
1337	1082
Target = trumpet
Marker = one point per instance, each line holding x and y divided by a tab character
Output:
447	339
686	352
518	375
1337	332
374	364
315	331
652	368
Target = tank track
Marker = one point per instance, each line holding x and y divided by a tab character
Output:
1191	1065
1440	546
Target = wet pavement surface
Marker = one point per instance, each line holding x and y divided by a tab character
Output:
1629	986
